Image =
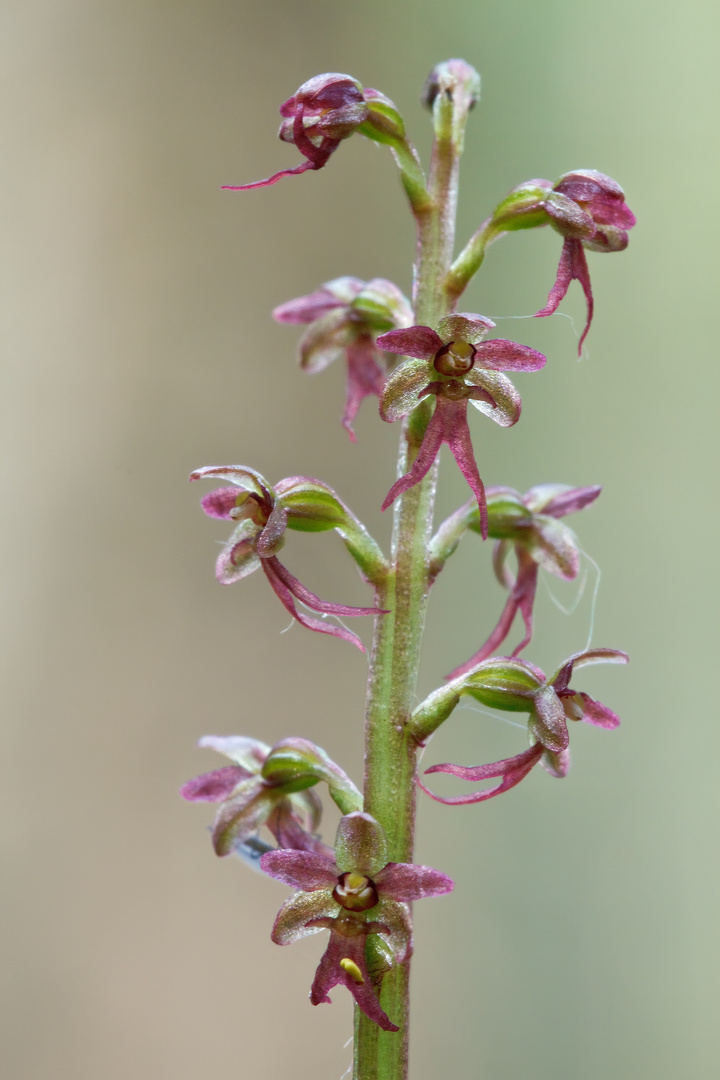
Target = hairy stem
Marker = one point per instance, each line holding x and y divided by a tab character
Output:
390	749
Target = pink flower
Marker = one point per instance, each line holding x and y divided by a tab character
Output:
530	523
514	685
263	513
345	316
452	364
607	218
356	894
270	786
323	112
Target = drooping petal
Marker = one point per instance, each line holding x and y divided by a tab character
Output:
250	753
302	909
403	389
410	881
573	266
290	833
512	770
418	341
365	377
501	355
506	403
301	869
432	441
221	502
278	577
457	436
354	975
303	167
214	786
548	722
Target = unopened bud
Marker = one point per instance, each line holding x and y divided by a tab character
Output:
449	77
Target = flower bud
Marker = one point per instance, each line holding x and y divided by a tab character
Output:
447	78
331	106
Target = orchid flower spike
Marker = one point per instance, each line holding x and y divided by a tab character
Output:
263	513
354	895
345	316
270	786
529	524
454	364
514	685
324	111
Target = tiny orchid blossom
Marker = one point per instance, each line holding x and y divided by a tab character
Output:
263	513
530	524
345	316
607	218
250	800
321	113
354	895
514	685
453	363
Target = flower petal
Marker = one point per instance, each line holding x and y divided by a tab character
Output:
360	844
241	815
306	309
409	881
301	869
353	975
214	786
324	341
300	909
250	753
553	546
238	558
547	721
501	355
572	266
392	921
429	447
240	475
506	410
404	388
418	341
559	500
464	326
512	770
276	574
594	712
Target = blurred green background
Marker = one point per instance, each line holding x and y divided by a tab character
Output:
582	939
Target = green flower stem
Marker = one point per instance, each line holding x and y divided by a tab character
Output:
470	259
390	749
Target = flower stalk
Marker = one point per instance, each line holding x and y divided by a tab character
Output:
426	363
390	748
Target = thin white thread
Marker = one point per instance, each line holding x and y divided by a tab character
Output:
349	1068
467	707
596	590
560	314
580	593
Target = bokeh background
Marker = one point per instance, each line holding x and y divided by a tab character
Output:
582	939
